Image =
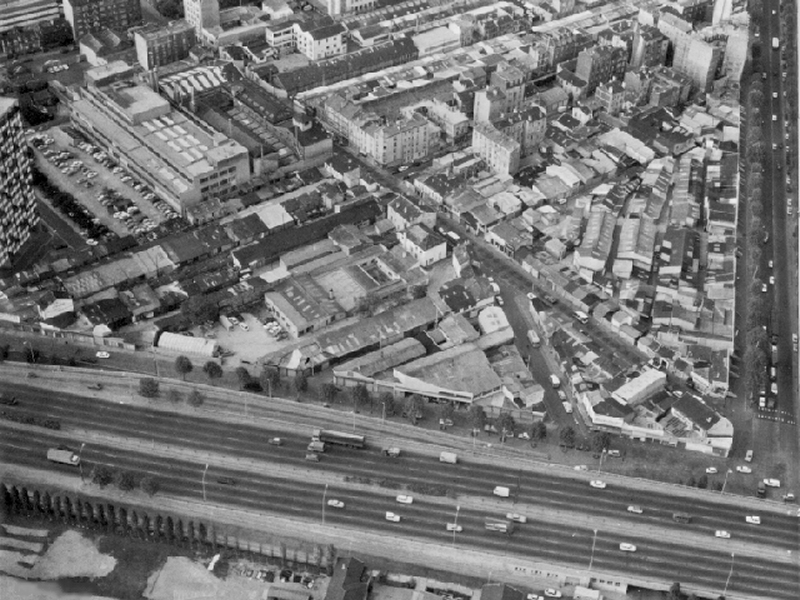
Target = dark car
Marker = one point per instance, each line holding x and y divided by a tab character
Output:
226	481
8	400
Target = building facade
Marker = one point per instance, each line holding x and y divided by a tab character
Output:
158	46
345	7
500	152
88	16
201	14
320	42
22	13
600	64
18	214
183	162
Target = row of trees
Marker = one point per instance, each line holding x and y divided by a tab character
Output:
150	388
126	481
137	523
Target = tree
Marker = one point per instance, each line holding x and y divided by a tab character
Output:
675	592
413	409
183	366
124	480
243	375
174	396
387	403
446	411
102	475
702	483
196	399
265	379
149	485
506	424
300	382
171	9
538	431
361	396
477	417
4	352
567	436
212	370
199	309
601	440
329	392
148	387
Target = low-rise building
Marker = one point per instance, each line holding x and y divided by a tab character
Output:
318	43
423	244
436	41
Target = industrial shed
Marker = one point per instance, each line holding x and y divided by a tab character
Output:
183	344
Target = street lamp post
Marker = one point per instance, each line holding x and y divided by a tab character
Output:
594	541
204	482
730	573
324	494
80	462
455	526
725	481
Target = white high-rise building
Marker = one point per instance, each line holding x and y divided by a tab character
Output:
201	14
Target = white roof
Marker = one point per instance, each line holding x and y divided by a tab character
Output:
190	345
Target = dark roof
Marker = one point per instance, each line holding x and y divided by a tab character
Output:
108	311
500	591
347	582
696	411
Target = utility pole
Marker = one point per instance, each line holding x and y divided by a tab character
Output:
594	541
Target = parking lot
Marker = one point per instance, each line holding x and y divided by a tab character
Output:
113	196
247	343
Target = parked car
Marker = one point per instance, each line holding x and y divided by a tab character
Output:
551	593
103	354
744	469
711	470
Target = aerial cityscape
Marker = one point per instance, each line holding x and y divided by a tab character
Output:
399	300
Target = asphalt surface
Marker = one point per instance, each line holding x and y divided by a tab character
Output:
775	431
301	497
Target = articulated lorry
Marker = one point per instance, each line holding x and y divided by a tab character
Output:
63	456
351	440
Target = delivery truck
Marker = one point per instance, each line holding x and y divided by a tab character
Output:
64	456
502	491
448	457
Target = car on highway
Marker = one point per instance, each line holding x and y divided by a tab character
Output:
335	503
627	547
516	517
711	470
637	510
103	354
551	593
744	469
721	533
772	279
226	481
775	95
455	528
581	468
95	386
771	482
748	456
753	519
390	516
770	263
404	499
596	483
276	441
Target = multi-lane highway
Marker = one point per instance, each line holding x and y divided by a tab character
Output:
776	431
662	555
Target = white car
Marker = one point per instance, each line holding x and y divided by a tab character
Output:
103	354
403	499
243	326
335	503
534	597
596	483
581	468
772	279
711	470
517	517
390	516
531	296
627	547
744	469
454	527
551	593
721	533
635	509
776	483
753	519
764	288
770	263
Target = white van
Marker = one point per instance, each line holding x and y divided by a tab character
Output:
501	491
555	381
581	316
